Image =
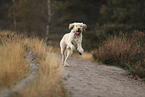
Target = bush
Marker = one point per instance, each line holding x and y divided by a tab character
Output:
124	50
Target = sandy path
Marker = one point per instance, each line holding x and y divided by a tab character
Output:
88	79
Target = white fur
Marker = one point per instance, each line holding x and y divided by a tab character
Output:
69	39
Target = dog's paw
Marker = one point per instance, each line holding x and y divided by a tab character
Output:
80	50
66	64
80	53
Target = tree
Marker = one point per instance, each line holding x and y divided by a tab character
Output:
49	21
5	21
31	16
123	11
14	17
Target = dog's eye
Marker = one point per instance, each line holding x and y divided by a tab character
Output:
81	26
76	25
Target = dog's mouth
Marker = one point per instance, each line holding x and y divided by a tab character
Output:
78	32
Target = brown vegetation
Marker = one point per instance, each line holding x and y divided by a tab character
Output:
49	79
14	67
12	61
124	50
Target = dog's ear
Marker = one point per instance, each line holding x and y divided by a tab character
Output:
71	25
84	27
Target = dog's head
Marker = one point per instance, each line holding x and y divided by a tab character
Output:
78	28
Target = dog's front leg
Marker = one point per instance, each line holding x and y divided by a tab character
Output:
81	50
79	47
71	46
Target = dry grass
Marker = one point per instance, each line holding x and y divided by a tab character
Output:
86	55
37	45
113	50
12	62
48	82
6	36
13	67
127	51
49	79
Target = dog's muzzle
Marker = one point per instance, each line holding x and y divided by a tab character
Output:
78	32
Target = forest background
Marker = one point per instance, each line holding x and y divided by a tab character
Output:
104	18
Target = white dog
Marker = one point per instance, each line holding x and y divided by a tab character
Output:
69	39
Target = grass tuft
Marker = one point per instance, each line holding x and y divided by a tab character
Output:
12	62
127	51
14	67
49	79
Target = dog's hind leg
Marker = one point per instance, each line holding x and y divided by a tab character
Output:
63	55
63	47
67	56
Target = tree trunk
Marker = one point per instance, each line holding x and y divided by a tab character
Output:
14	17
49	21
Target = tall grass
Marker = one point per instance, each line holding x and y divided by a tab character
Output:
13	67
37	45
12	62
49	79
127	51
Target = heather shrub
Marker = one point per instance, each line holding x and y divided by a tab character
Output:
124	50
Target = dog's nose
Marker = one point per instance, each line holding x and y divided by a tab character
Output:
79	29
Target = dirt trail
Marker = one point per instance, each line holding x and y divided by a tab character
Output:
89	79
